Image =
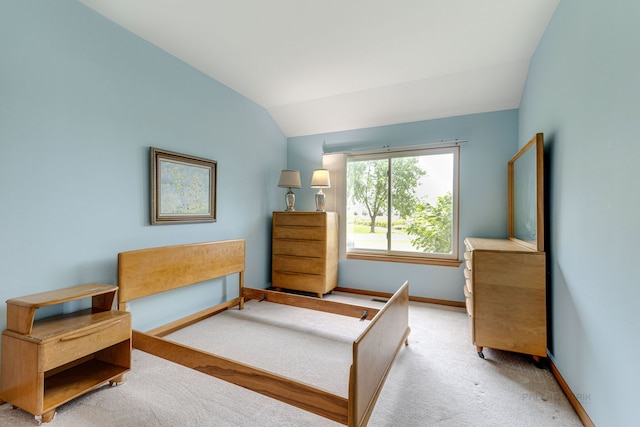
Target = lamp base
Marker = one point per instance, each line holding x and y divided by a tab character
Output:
290	200
320	201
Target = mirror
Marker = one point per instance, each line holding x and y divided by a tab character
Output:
526	195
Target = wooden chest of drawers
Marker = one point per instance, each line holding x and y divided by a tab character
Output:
305	251
505	290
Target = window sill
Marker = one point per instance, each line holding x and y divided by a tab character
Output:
405	259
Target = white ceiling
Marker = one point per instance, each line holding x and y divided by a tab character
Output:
328	65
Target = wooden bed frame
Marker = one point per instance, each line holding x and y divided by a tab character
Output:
150	271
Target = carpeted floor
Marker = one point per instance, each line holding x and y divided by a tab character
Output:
438	380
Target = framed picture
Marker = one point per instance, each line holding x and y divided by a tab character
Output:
183	188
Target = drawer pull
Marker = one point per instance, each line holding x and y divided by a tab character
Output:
89	332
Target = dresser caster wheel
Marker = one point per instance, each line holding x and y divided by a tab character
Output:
481	355
538	362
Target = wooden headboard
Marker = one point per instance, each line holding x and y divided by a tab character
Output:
150	271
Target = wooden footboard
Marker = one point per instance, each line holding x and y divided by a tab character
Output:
373	354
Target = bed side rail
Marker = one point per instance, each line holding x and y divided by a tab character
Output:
294	393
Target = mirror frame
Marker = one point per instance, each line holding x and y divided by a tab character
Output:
536	143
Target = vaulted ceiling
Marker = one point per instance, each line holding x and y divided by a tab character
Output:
328	65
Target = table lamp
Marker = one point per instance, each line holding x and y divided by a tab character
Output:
320	180
290	179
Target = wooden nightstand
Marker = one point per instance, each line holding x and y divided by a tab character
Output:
48	362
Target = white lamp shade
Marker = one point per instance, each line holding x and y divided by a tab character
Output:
320	179
289	179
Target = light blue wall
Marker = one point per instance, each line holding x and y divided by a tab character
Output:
493	140
583	92
81	101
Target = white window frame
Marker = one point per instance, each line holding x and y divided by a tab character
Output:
337	164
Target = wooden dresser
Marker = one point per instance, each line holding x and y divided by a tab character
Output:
505	290
48	362
305	251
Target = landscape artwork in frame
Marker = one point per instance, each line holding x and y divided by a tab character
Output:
183	188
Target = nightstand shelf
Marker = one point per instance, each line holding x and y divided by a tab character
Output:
48	362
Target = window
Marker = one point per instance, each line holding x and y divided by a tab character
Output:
403	206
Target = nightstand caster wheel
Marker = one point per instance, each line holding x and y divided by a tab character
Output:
117	381
481	355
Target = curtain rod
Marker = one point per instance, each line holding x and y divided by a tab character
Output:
338	148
